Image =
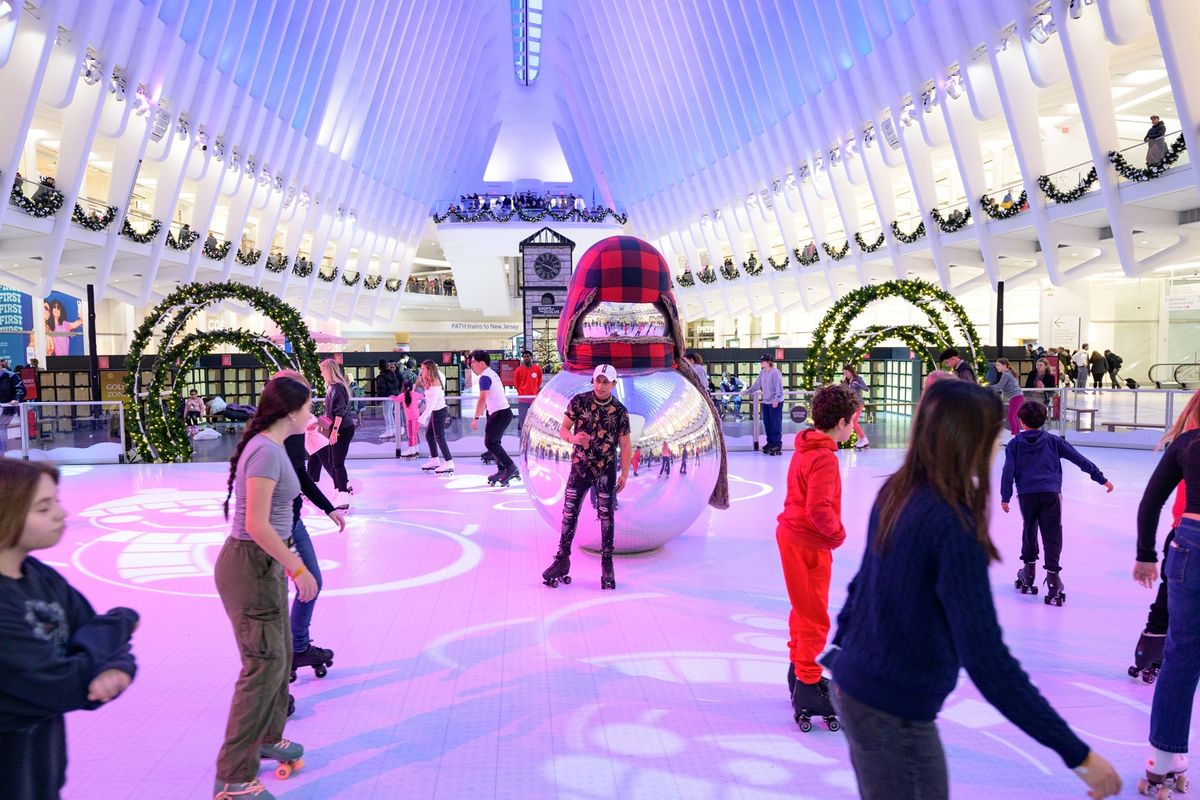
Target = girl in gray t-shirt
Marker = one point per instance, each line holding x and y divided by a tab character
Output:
250	579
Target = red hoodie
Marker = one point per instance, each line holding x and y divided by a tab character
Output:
812	510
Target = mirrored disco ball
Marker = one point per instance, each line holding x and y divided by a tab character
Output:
667	495
608	320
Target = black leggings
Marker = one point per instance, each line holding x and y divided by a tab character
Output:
333	459
435	434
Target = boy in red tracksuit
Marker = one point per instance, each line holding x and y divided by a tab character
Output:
809	529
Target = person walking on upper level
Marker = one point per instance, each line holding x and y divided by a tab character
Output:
770	383
1156	141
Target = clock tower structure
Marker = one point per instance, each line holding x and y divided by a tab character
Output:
546	265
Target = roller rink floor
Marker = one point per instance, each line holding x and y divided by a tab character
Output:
457	674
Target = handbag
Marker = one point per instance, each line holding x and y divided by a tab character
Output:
324	426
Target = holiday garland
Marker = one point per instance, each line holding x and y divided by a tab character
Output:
729	272
141	237
780	265
869	248
908	238
248	259
303	267
278	265
349	280
185	240
393	285
1151	171
686	279
328	277
43	203
707	274
372	282
840	253
217	252
157	431
950	226
997	211
833	344
530	215
1071	195
93	221
807	260
752	265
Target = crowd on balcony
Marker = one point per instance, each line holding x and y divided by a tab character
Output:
521	201
442	286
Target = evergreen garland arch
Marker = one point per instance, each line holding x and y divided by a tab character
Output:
157	430
833	343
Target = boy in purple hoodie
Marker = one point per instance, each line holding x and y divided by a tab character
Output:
1033	458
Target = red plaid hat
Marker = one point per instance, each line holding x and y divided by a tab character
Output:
620	269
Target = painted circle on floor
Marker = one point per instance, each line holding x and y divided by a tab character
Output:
167	541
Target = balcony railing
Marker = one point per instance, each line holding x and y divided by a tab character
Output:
1148	160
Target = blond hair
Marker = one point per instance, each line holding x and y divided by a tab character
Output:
332	372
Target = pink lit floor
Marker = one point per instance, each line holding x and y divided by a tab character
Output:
459	675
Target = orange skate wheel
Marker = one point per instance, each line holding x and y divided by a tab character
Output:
283	771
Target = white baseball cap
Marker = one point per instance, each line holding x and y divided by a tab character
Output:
607	370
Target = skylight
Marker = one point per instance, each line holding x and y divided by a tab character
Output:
527	39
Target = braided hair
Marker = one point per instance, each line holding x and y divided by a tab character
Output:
280	397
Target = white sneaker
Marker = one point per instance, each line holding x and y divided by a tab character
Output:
446	468
432	463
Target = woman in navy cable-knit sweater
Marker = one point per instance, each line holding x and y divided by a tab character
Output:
920	609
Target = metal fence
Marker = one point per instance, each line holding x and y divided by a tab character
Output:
65	433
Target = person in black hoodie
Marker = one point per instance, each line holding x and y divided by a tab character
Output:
387	385
58	655
1033	459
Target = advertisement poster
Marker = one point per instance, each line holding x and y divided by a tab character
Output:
64	325
16	326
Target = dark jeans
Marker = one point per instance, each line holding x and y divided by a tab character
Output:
435	434
893	758
1115	377
333	459
302	612
1171	712
773	424
577	488
497	424
1156	620
253	590
1042	510
33	760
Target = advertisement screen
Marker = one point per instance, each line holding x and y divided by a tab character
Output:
16	326
64	325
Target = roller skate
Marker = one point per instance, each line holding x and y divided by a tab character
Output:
445	469
1147	658
232	791
511	474
341	501
1055	596
496	476
1026	576
287	753
607	579
1164	772
409	453
431	464
319	658
812	700
558	571
862	444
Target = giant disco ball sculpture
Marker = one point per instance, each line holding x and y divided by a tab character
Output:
680	466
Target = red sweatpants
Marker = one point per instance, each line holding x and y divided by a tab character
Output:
807	572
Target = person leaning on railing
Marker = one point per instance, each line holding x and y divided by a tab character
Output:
1156	141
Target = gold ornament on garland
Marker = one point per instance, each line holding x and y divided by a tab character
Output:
833	343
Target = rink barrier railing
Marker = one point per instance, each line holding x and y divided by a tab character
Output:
52	423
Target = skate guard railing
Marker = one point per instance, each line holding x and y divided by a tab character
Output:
65	433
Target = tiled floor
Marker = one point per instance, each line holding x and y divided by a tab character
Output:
459	675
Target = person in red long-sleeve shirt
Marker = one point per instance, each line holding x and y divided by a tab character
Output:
527	380
809	530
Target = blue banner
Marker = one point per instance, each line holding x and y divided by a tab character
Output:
16	326
64	325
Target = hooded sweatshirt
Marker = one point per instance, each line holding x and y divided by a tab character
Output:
1033	459
812	510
